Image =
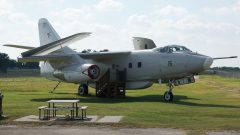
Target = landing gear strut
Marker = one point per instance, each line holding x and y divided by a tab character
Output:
83	89
168	95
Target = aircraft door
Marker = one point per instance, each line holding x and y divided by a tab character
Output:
118	74
121	75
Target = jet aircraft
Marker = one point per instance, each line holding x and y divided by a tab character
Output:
110	73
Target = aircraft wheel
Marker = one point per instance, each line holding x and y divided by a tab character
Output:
83	89
168	96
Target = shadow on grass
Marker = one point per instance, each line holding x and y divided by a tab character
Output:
178	99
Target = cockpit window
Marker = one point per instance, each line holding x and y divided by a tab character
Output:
171	49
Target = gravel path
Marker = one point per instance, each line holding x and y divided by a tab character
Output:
13	130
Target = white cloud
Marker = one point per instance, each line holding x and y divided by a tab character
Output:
236	8
5	7
4	4
69	14
136	20
109	5
226	10
171	10
86	12
218	11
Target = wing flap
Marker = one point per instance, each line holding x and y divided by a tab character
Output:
44	58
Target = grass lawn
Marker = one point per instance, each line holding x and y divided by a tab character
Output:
212	103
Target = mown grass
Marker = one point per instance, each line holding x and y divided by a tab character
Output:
212	103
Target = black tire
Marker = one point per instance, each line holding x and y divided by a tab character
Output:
83	89
168	96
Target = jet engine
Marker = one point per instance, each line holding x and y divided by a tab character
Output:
92	71
86	72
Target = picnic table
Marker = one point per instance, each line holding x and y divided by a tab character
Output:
55	105
73	108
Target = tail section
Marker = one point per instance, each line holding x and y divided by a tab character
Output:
49	38
56	45
50	43
47	34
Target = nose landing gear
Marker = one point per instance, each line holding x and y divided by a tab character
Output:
168	95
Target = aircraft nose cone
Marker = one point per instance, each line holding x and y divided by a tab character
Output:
207	63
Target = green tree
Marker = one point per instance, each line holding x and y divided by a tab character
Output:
4	62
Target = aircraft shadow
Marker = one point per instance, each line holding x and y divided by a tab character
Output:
178	99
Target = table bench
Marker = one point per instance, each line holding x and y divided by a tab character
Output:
84	111
40	109
55	109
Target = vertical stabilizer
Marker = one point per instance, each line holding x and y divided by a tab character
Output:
47	34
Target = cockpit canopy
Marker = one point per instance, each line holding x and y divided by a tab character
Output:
172	48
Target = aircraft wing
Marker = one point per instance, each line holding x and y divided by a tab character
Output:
103	55
44	58
89	56
19	46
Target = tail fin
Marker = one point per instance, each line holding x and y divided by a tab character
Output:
47	34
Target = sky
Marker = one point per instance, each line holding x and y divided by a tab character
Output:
209	27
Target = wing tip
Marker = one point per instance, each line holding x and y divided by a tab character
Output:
231	57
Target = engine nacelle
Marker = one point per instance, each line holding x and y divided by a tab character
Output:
86	72
92	71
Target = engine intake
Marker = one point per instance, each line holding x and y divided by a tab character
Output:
93	71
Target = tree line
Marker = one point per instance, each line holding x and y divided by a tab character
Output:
7	63
229	69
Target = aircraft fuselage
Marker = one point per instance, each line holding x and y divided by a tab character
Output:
143	66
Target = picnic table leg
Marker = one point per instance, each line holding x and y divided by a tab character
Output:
73	110
44	113
48	111
72	114
39	114
53	111
82	113
76	110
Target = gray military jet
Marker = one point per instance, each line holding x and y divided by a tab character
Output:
110	73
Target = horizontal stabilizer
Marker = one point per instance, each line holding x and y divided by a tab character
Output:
19	46
225	57
44	58
103	55
48	48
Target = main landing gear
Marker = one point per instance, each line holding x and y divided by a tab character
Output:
168	95
83	89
